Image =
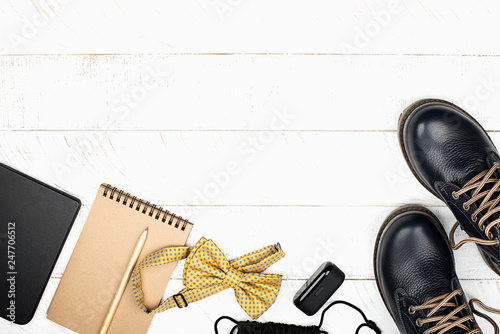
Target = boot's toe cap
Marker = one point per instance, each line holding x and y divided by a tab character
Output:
443	143
414	256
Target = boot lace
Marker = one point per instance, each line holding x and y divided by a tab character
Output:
488	202
445	323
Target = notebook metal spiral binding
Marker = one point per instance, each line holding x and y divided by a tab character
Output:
149	209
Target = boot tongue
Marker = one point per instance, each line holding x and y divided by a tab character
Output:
480	167
490	162
444	311
472	171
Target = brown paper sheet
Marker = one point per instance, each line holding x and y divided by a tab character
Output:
99	259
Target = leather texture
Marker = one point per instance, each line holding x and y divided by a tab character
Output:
446	147
414	263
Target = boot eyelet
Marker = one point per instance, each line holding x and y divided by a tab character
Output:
455	195
411	310
466	208
490	236
418	322
483	228
474	219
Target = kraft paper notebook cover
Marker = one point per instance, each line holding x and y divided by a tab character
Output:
107	241
35	220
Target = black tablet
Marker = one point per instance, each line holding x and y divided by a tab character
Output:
35	220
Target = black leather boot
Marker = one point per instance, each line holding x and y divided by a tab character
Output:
454	158
415	273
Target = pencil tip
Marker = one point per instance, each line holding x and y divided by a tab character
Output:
147	228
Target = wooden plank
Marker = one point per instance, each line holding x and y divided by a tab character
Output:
200	316
361	26
308	235
159	92
223	168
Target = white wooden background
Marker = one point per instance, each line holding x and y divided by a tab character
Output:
74	112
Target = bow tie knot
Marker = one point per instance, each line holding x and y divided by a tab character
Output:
207	271
233	278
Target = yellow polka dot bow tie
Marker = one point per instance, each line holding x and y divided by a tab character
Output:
207	271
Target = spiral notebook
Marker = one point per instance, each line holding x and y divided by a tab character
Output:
106	243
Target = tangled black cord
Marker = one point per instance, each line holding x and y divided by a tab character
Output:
252	327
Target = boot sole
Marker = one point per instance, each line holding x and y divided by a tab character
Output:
387	222
403	118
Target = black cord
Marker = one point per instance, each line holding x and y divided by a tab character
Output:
368	323
359	328
222	318
283	328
